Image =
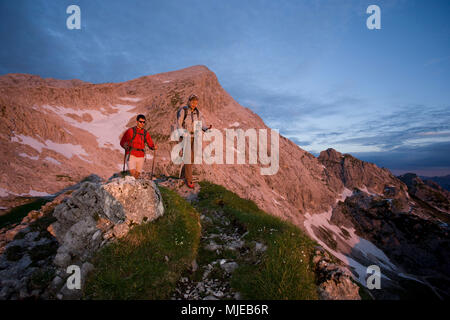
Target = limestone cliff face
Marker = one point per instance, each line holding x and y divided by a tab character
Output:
347	171
427	191
399	224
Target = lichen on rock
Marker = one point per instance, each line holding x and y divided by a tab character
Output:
68	231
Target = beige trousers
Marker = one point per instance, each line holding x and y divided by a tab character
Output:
187	166
135	163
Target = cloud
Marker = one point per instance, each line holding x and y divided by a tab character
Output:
430	159
402	126
292	107
412	137
300	143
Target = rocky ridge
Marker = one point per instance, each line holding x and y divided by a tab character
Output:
429	192
68	231
389	225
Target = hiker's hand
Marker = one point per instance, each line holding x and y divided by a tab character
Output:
155	147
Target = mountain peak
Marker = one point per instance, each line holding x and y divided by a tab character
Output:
330	154
410	179
181	74
200	68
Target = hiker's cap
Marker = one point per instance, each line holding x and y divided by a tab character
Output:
192	97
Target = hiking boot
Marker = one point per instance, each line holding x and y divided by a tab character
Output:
190	185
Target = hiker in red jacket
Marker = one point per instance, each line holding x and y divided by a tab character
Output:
133	141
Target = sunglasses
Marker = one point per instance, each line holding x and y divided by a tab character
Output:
141	121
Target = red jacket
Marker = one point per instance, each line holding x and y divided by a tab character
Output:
138	142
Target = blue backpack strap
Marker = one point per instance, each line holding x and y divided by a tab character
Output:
184	108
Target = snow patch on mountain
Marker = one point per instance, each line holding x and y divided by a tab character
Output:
24	155
130	99
66	149
352	240
276	202
4	192
51	160
364	189
32	193
107	128
345	193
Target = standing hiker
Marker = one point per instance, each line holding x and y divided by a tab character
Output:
133	141
186	116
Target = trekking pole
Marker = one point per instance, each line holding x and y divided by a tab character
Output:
182	164
153	165
124	161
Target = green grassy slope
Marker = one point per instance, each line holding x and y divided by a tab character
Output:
135	267
285	270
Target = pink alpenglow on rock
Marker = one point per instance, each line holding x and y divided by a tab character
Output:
96	213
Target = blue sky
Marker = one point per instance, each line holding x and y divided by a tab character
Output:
311	68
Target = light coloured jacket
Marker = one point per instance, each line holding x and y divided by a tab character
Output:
186	118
